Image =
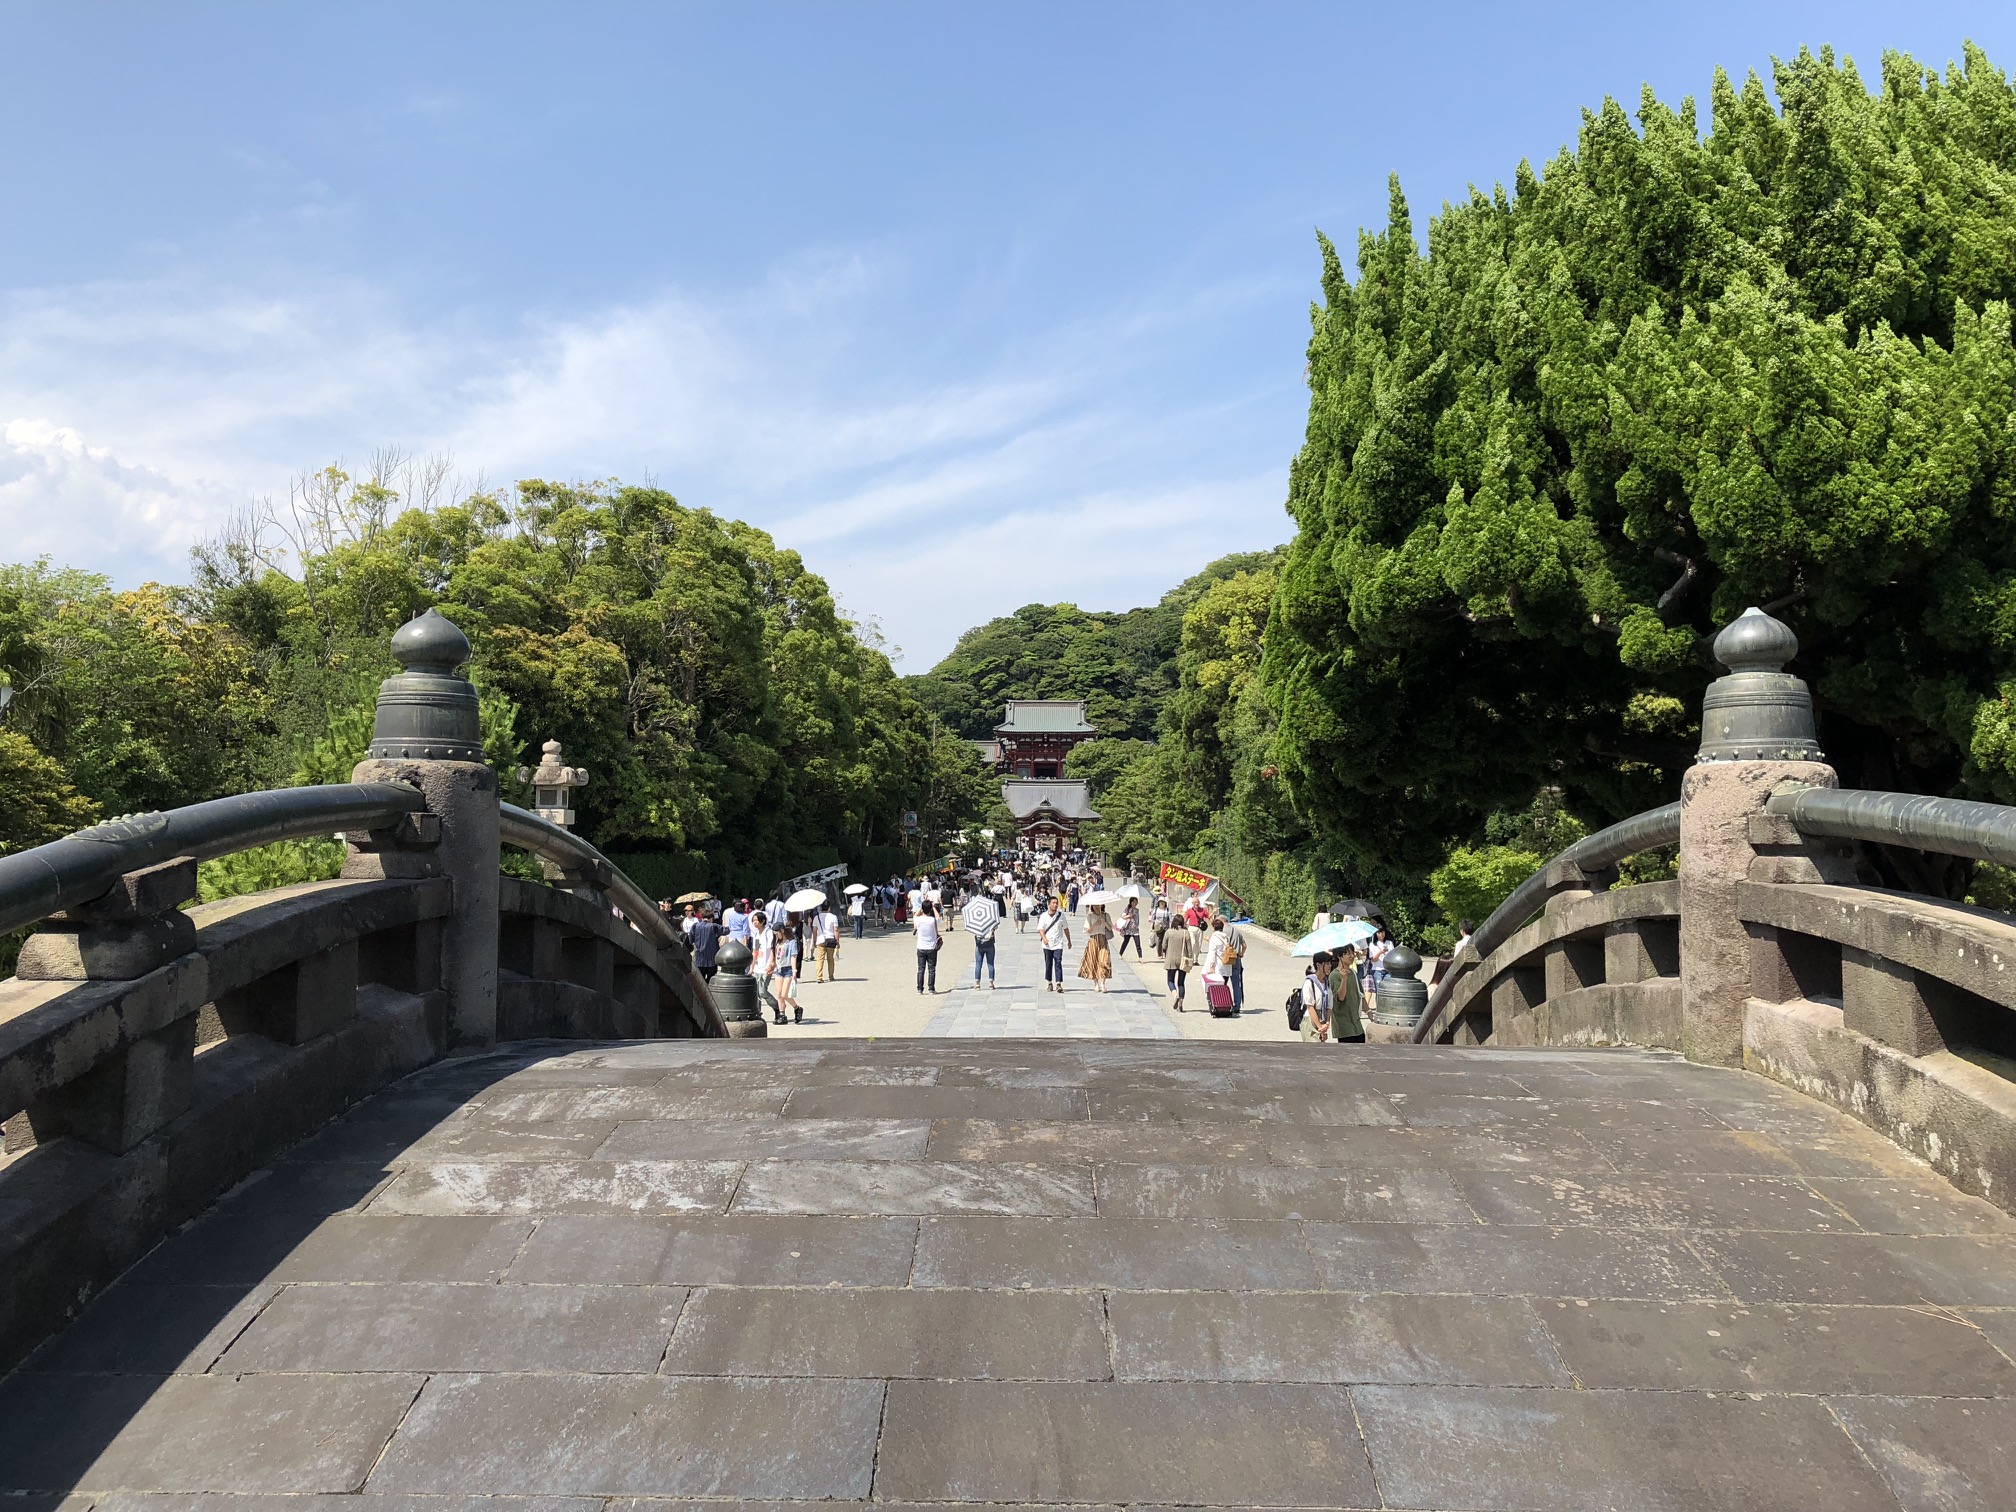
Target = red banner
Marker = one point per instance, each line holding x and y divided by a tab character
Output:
1197	881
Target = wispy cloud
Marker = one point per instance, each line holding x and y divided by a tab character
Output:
931	493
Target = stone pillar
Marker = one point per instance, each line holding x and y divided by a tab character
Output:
1756	737
427	734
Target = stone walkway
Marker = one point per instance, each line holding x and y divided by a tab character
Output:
1018	1006
1049	1272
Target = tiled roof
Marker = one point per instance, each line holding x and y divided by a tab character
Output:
1065	797
1045	716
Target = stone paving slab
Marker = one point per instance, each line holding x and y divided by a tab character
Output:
1094	1273
639	1436
958	1335
737	1249
1594	1451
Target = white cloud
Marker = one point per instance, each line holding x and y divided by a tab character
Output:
931	499
80	504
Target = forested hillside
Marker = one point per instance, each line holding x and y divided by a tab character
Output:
1123	664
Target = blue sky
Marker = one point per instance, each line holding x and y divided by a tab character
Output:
973	304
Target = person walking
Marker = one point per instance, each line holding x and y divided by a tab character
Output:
857	911
763	962
1097	963
705	938
1074	895
1233	963
1128	928
924	925
1159	921
1316	1000
1053	932
736	921
1375	959
1179	954
776	912
785	970
983	939
1347	1002
826	934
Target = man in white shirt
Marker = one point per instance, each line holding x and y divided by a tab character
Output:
826	932
857	910
1053	930
776	912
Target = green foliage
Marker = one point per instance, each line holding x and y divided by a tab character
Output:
1671	376
1475	880
280	864
725	709
1122	664
39	804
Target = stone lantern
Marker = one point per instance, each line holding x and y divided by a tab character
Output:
553	783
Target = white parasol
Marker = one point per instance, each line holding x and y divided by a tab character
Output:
854	889
1100	897
804	898
1131	890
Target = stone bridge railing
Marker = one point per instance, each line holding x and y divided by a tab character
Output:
1775	949
153	1053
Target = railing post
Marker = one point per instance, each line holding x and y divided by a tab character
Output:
1756	736
427	733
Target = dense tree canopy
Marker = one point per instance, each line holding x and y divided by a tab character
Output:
733	721
1123	664
1670	376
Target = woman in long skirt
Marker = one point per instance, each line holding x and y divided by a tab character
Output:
1096	965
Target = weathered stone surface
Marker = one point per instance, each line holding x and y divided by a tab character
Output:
1920	1205
961	1335
769	1139
897	1187
616	1436
616	1103
739	1249
1245	1192
1039	1103
1874	1269
1192	1442
1592	1451
1720	1346
1651	1201
292	1247
1508	1226
546	1187
153	1330
1507	1261
1937	1456
294	1433
1220	1336
602	1329
1017	1140
1115	1252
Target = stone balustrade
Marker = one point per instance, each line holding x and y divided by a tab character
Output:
154	1052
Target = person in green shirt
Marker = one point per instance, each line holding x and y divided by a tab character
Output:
1347	1003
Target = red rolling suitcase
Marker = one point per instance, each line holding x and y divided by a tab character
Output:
1218	995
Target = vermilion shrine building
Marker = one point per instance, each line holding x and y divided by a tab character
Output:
1030	747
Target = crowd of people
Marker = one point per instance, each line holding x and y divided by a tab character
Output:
1064	900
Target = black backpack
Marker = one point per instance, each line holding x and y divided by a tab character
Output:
1295	1009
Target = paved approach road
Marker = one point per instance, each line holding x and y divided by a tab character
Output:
1048	1272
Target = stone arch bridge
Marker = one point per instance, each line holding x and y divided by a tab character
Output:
433	1188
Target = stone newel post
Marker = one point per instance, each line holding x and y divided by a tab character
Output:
427	733
1756	736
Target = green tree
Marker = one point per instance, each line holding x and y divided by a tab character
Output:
1672	376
